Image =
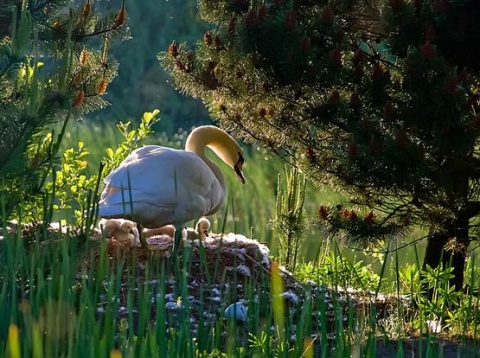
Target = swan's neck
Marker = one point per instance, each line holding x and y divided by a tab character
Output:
197	142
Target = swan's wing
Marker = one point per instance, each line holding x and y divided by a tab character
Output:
163	174
140	162
159	186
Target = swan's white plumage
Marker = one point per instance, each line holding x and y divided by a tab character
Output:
157	186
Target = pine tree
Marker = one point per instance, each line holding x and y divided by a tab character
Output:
377	99
54	67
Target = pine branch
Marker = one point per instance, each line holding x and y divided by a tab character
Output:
71	82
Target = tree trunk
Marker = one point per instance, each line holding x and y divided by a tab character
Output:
440	250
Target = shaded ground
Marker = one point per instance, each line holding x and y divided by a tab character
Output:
231	268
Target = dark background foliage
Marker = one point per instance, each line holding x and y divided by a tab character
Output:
142	84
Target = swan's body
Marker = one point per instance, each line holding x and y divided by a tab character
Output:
121	230
157	186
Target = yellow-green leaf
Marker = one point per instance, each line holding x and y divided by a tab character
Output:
147	116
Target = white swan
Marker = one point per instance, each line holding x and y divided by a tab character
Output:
156	186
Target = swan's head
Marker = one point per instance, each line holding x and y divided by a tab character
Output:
234	158
230	152
224	145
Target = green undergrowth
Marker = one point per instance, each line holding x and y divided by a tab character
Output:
56	302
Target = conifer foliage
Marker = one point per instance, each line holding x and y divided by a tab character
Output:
379	99
54	66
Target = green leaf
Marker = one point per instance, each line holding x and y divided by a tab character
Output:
149	116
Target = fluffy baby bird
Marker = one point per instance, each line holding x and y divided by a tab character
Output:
124	231
201	231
